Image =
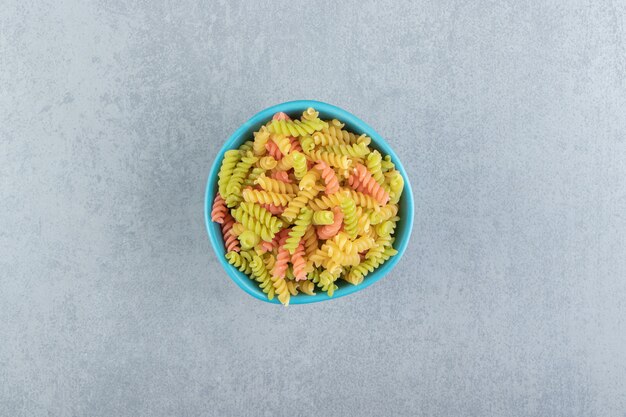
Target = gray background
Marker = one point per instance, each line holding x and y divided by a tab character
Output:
510	118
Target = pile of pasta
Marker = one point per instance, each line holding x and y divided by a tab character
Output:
305	204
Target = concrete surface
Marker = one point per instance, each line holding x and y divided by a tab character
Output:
511	117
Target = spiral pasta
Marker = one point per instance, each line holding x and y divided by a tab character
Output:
358	150
302	198
240	260
231	158
297	127
299	165
299	228
266	197
374	166
273	151
260	140
323	217
246	147
328	231
386	164
361	180
283	143
310	241
334	160
252	176
248	239
348	208
262	276
263	216
384	213
299	263
276	186
281	176
305	203
267	163
358	272
396	185
306	287
309	179
233	189
219	209
253	224
307	143
295	144
329	176
230	239
327	201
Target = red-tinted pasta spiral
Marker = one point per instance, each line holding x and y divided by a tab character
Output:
329	176
273	151
281	116
219	209
282	176
328	231
299	264
295	144
361	180
275	210
230	240
282	259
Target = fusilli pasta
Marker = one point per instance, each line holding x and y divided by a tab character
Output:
304	203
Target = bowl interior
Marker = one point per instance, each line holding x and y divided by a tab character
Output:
294	109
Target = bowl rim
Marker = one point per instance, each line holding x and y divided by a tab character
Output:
242	280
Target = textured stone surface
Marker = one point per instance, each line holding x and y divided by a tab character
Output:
511	119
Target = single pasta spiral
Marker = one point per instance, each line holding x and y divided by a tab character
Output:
230	240
299	165
248	239
282	258
268	162
263	216
273	151
323	217
306	287
348	208
283	143
234	185
241	261
297	127
260	140
299	264
361	180
334	160
328	231
219	209
358	272
385	213
309	179
231	158
357	150
276	186
374	166
295	144
266	197
329	176
299	228
281	289
307	143
262	276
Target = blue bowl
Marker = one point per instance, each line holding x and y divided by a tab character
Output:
354	124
